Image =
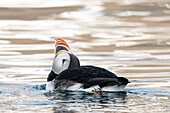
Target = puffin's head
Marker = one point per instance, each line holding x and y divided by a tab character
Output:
64	59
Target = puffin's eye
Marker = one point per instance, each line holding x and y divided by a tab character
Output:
64	60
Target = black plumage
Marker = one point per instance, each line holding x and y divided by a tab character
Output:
51	76
88	76
73	73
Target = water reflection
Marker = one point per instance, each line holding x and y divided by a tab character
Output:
34	98
78	96
65	100
127	37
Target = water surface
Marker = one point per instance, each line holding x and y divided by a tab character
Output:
127	37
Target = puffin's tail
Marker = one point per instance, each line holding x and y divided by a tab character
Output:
123	80
106	84
60	44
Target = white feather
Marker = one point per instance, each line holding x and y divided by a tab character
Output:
50	85
78	87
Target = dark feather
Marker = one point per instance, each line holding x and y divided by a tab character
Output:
84	73
51	76
90	76
74	61
102	82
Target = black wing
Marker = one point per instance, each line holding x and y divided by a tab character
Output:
102	82
90	76
84	73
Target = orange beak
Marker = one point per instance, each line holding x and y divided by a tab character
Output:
60	41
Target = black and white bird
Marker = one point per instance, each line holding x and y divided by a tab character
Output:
67	74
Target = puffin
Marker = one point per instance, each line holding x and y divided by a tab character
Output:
67	74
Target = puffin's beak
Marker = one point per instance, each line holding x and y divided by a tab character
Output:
61	42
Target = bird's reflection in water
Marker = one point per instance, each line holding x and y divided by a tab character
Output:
71	101
56	110
86	96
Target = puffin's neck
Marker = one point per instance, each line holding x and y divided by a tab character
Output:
51	76
74	61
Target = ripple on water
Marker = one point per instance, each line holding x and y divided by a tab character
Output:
35	98
127	37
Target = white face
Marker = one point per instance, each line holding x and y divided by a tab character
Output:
61	62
